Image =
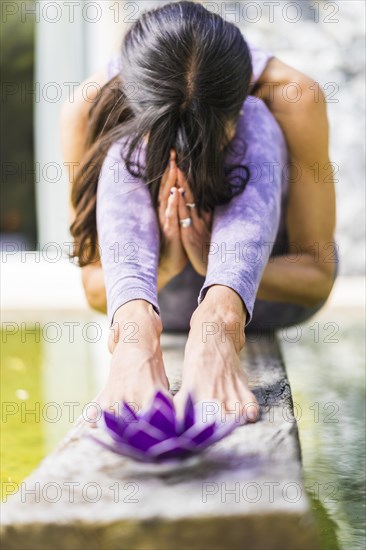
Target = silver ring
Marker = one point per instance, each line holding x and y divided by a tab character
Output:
186	222
191	204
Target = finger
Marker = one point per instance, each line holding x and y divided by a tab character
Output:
188	195
93	413
162	184
170	182
251	409
183	210
164	178
183	182
171	213
179	401
171	177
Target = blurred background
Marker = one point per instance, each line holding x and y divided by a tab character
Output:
54	348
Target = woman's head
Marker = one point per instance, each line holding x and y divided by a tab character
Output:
184	63
185	75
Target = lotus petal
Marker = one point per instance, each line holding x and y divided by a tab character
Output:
115	425
162	416
157	434
171	444
189	413
128	414
142	426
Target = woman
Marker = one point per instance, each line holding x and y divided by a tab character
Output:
185	189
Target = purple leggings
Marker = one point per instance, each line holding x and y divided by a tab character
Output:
245	232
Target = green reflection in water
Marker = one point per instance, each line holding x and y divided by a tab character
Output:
22	441
53	377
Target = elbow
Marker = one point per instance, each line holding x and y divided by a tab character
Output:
321	290
312	98
94	290
95	301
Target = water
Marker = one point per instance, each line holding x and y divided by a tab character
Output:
325	364
48	374
326	370
22	443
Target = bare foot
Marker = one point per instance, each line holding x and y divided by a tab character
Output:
212	369
137	369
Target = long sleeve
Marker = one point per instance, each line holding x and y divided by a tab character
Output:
128	235
244	230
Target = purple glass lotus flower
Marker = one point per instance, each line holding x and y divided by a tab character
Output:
157	434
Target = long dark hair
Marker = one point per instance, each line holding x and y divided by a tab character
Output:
185	75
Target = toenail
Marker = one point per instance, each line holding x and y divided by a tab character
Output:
252	413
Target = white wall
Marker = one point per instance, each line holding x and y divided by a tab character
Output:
72	42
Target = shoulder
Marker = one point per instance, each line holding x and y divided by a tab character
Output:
113	169
258	135
256	117
114	160
77	106
115	153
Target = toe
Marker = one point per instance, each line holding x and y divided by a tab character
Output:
252	409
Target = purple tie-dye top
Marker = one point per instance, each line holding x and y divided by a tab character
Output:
244	231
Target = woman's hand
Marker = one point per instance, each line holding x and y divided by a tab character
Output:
135	357
197	237
212	368
174	258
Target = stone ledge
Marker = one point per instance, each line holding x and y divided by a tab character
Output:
244	492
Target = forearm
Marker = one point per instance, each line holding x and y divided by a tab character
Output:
128	235
243	228
295	279
222	313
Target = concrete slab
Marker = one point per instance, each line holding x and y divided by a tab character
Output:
244	492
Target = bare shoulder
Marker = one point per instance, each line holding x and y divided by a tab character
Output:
80	102
284	87
280	73
75	113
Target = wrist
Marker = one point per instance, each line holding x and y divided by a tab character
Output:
225	309
226	302
134	308
135	313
